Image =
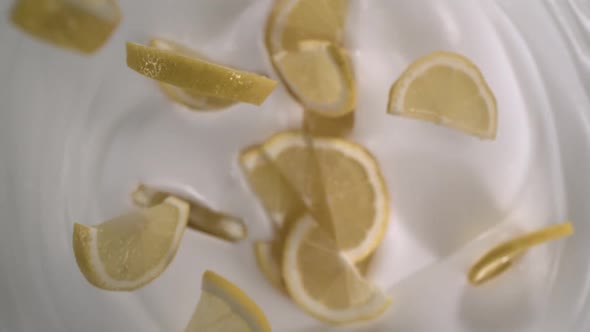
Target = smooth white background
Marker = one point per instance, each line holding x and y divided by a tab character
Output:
77	133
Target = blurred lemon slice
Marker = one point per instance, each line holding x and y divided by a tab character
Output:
224	307
269	263
340	182
501	257
82	25
191	99
128	252
318	125
206	78
277	197
201	217
323	282
320	77
292	21
448	89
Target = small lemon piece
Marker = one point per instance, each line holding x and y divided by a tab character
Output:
224	307
206	78
448	89
128	252
318	125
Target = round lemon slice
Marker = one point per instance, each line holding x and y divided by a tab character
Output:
224	307
501	257
319	75
292	21
273	191
448	89
205	78
191	99
338	176
128	252
323	282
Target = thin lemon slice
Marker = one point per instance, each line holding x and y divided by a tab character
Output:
82	25
279	200
224	307
268	263
448	89
202	218
191	99
128	252
320	77
340	182
206	78
501	257
292	21
323	282
318	125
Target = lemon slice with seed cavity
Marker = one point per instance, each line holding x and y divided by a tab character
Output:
319	75
200	76
340	183
448	89
323	282
191	99
501	257
292	21
82	25
224	307
128	252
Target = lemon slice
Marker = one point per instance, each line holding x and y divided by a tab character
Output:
128	252
277	197
323	282
191	99
82	25
224	307
328	126
201	217
341	184
501	257
319	75
292	21
268	263
208	79
448	89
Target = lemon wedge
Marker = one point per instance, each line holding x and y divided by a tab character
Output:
128	252
82	25
205	78
224	307
319	75
447	89
323	281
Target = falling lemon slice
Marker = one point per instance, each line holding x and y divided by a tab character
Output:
224	307
323	282
448	89
206	78
188	98
82	25
319	75
128	252
318	125
268	263
341	184
201	217
293	21
277	197
501	257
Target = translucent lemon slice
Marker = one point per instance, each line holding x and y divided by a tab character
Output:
201	217
206	78
191	99
82	25
323	282
128	252
448	89
224	307
501	257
